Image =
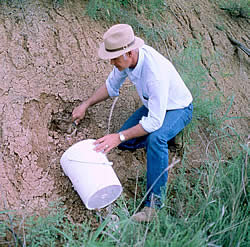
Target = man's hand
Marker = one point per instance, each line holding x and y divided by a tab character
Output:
100	95
106	143
79	112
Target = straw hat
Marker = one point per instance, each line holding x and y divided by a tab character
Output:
118	40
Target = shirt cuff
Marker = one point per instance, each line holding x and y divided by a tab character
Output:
149	125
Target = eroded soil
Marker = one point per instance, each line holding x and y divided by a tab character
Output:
49	64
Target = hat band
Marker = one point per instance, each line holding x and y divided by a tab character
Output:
121	48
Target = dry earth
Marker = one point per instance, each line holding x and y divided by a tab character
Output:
48	65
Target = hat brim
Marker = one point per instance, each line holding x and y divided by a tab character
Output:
104	54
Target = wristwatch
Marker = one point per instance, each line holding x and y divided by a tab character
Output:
122	137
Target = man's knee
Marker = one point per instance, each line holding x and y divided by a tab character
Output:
154	139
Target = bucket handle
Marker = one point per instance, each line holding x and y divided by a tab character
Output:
95	163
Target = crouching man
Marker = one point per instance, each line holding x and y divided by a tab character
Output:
166	110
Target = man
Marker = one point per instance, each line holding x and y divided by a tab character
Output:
167	107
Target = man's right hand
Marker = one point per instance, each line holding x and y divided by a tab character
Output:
79	112
100	95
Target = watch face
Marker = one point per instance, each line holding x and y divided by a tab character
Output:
122	137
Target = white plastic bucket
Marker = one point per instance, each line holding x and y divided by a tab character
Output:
91	174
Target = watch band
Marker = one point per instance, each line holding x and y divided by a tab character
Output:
122	137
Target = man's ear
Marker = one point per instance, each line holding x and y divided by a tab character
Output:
129	53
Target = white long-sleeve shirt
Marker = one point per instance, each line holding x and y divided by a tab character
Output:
158	84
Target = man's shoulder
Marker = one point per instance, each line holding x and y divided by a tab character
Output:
153	58
152	53
148	48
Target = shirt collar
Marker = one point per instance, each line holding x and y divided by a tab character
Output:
136	72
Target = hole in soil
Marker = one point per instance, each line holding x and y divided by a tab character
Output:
60	121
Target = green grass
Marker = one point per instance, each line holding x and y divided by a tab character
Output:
236	8
16	3
112	11
207	104
140	14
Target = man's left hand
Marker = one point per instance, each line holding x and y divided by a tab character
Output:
106	143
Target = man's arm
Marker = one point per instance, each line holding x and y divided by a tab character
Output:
134	132
100	94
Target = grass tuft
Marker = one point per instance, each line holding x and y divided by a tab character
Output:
138	13
236	8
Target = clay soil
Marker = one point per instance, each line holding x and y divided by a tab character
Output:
49	64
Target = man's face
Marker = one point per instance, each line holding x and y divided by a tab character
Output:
121	62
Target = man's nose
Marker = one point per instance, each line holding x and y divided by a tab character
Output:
112	61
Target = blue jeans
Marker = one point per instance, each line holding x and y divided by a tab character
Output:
156	144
